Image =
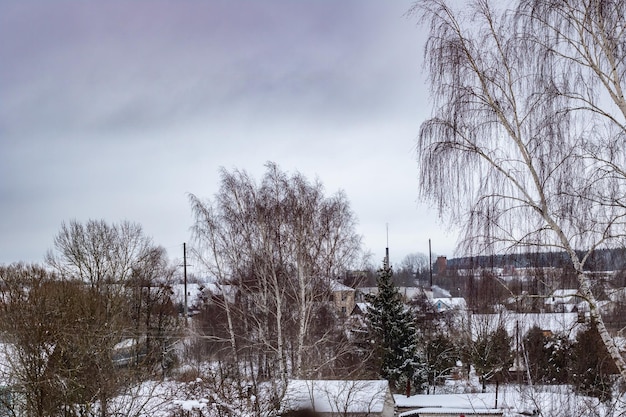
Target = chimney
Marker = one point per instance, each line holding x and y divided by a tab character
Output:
441	264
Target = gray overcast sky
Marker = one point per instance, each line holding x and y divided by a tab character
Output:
118	109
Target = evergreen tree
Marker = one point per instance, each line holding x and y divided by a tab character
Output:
592	368
548	356
393	332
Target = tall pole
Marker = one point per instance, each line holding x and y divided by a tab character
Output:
387	248
430	263
185	278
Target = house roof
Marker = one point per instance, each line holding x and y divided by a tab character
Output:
334	396
451	411
479	402
411	292
562	323
439	292
450	302
362	307
338	286
562	296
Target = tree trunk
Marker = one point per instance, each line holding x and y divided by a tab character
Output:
302	318
584	284
103	405
280	348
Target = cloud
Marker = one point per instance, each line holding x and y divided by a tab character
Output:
99	66
117	109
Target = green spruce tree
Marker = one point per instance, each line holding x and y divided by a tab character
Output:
392	331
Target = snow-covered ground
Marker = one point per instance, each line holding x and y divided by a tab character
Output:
161	399
170	398
513	400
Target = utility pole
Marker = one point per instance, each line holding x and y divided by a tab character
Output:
185	280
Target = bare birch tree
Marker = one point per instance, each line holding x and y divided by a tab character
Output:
273	245
525	147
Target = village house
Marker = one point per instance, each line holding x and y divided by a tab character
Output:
343	297
449	303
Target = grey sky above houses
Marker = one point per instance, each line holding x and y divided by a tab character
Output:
117	110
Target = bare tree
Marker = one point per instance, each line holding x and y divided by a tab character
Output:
441	356
413	267
27	336
117	269
156	320
60	340
525	146
273	246
97	252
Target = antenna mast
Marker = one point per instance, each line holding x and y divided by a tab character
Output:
387	247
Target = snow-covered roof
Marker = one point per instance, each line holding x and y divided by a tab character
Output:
126	344
477	401
439	292
411	292
333	396
449	303
564	323
451	411
562	296
338	286
617	294
362	307
406	292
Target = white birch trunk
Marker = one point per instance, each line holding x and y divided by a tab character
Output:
302	318
598	322
280	342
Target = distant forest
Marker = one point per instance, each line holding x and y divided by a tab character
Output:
601	260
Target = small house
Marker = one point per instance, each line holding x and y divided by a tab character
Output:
449	303
343	297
